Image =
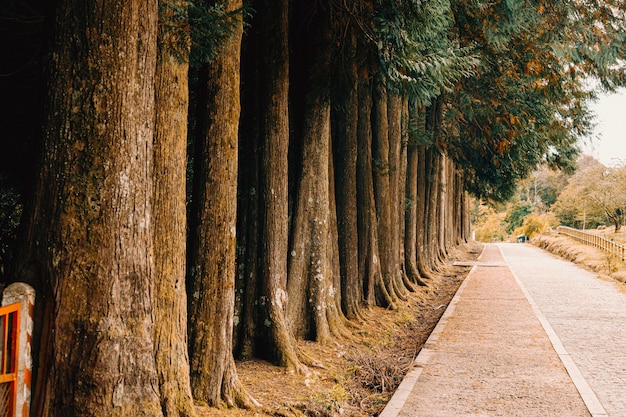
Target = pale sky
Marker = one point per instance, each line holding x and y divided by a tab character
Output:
609	141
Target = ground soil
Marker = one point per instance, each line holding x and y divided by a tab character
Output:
359	372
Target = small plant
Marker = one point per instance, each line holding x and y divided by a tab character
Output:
611	260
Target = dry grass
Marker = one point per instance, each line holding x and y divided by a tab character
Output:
362	369
607	266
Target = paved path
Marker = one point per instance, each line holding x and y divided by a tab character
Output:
526	335
588	315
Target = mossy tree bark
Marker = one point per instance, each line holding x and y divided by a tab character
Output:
212	275
169	215
274	182
344	131
90	235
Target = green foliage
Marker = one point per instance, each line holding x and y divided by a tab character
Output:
516	215
416	51
210	24
174	37
528	104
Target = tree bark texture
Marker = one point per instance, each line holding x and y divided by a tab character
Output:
396	186
212	276
309	279
369	260
382	186
423	190
275	182
90	237
344	127
308	266
170	220
411	240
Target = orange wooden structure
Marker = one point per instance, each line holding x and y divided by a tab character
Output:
9	335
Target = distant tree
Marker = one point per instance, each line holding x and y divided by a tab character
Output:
516	214
604	189
592	197
543	186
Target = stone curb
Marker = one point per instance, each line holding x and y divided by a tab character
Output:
397	401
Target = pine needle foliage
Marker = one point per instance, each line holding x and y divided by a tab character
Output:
210	24
416	50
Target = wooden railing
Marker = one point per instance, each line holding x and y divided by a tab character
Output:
591	239
9	334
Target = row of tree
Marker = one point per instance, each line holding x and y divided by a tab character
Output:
326	150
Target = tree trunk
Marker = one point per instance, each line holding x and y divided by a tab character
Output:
334	313
423	189
169	214
274	181
397	174
308	266
90	238
369	259
444	174
344	127
310	278
411	217
382	186
212	276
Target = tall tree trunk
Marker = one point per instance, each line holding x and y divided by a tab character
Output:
444	174
369	259
274	181
247	292
334	313
212	276
411	217
423	190
310	275
344	127
90	238
433	207
169	215
308	266
382	174
397	172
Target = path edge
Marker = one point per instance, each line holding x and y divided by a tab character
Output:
397	401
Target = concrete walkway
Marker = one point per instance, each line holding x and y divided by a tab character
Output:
587	313
525	335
